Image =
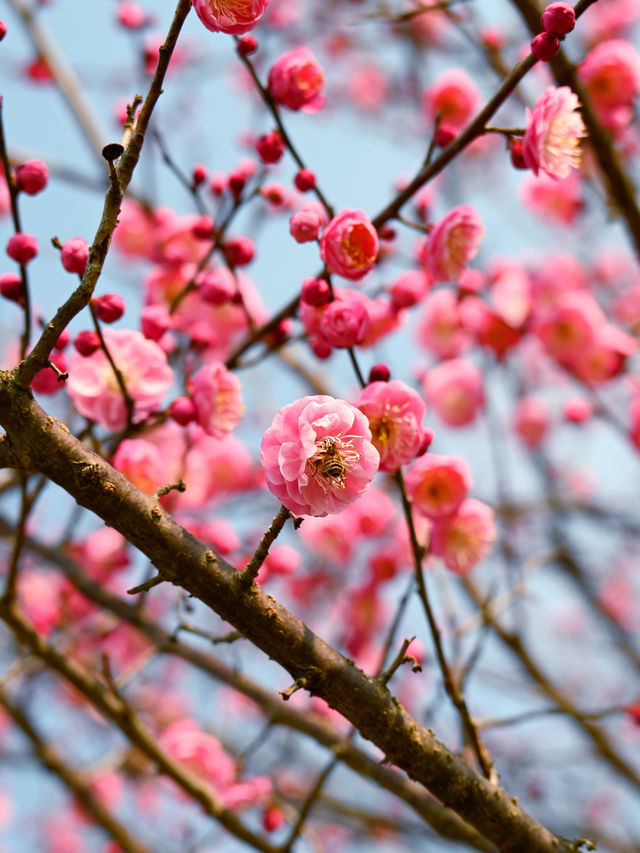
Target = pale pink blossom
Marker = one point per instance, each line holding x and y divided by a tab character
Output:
93	387
331	538
296	80
464	539
142	463
305	223
452	98
318	456
367	87
609	20
440	329
551	142
559	201
230	16
102	554
455	389
216	395
438	484
610	73
531	421
349	244
395	413
453	242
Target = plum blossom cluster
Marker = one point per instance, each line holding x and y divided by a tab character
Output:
462	528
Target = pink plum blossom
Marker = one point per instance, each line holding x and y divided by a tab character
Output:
440	329
93	387
464	539
551	142
455	389
438	484
559	201
349	244
345	322
296	80
215	393
305	224
230	16
318	456
395	412
453	97
203	754
142	463
531	421
610	73
453	242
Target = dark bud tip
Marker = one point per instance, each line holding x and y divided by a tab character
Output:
112	151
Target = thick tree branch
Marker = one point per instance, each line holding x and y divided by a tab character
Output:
181	559
442	820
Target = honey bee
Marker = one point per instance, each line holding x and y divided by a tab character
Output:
330	465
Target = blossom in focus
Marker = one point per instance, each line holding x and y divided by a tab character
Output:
438	484
395	412
349	244
215	393
453	242
551	142
296	80
464	539
234	17
93	387
455	390
318	455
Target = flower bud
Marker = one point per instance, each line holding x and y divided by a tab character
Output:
11	287
32	177
22	247
270	147
74	255
315	291
87	342
305	180
199	175
247	45
379	373
109	307
445	134
545	46
155	320
239	251
182	410
559	18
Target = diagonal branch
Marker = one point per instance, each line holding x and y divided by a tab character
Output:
184	561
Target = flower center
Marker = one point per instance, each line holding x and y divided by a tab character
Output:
331	462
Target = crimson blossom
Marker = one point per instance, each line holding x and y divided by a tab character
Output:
349	244
318	456
234	17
